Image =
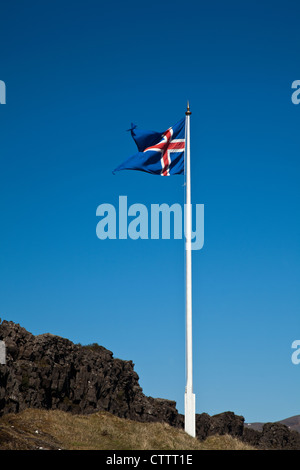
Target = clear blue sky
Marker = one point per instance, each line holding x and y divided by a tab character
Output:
77	74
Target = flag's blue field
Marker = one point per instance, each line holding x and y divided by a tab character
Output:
77	74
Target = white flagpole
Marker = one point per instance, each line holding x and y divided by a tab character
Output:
189	398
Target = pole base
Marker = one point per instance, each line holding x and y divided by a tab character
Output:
189	414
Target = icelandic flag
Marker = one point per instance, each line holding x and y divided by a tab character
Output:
159	153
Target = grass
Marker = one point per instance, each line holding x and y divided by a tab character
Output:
54	429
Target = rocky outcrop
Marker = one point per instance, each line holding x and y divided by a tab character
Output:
50	372
227	423
273	436
220	424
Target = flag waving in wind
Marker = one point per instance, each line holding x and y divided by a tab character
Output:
159	153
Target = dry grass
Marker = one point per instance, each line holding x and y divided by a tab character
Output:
42	429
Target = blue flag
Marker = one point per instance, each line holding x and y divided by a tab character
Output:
159	153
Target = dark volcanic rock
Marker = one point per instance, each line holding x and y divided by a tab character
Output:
203	423
279	436
48	371
227	423
251	436
223	423
273	436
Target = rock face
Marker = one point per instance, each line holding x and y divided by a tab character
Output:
223	423
51	372
273	436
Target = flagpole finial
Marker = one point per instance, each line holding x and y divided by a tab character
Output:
188	112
